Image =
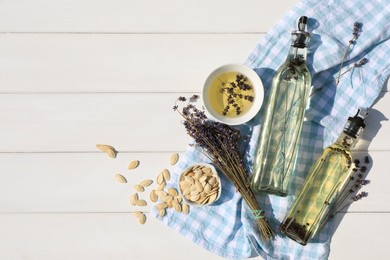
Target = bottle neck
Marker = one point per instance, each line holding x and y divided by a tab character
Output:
296	53
346	141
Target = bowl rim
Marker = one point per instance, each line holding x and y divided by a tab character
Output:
214	170
257	87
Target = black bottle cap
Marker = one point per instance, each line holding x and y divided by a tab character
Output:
355	124
302	34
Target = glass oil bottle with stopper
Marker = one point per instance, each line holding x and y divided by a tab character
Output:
326	181
276	153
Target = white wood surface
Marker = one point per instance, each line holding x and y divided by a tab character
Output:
77	73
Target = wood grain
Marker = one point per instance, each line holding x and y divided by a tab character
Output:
171	16
67	63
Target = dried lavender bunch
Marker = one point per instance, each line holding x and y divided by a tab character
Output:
233	90
220	143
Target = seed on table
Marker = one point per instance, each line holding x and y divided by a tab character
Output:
161	212
160	178
107	149
161	186
142	218
120	178
146	183
153	196
174	158
162	205
139	188
133	199
166	175
172	192
176	206
137	214
133	164
141	203
167	199
185	208
161	193
179	199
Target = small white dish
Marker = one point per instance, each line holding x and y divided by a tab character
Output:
209	91
187	171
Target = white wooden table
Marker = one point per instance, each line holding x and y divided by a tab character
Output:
74	73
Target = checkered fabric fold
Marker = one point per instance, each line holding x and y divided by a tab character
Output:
227	228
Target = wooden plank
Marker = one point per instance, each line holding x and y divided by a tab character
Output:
361	236
118	236
92	236
129	121
84	182
140	16
116	62
76	182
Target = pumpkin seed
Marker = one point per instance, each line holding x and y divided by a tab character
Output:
198	186
137	214
206	170
166	175
174	158
172	192
160	178
146	183
213	197
161	212
161	186
153	196
176	206
189	180
141	203
120	178
207	188
133	199
133	164
161	193
167	199
139	188
142	218
185	208
107	149
161	206
195	197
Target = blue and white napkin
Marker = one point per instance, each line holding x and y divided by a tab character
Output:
228	228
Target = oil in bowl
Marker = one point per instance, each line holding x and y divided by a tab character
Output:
233	94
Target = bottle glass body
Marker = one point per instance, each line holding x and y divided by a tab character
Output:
327	179
283	115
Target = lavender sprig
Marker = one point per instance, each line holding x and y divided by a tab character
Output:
357	27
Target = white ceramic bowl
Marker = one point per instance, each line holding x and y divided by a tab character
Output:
257	87
186	171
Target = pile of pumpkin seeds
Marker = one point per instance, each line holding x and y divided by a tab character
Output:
163	198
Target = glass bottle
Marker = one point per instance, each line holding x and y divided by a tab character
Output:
276	153
326	181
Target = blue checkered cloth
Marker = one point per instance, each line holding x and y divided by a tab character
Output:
227	228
